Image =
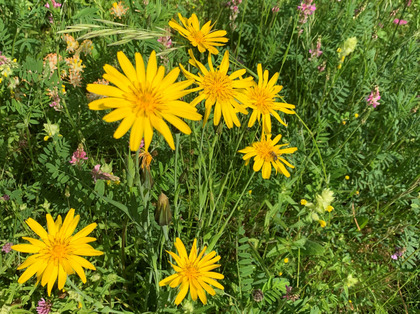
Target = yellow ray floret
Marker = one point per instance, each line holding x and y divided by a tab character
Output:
193	273
225	92
144	98
262	100
266	154
202	38
58	253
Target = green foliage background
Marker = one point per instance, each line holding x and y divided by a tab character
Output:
254	224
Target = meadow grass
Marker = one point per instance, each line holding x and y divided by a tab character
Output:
326	222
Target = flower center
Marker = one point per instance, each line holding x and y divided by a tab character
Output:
217	85
197	36
191	271
58	250
146	100
261	99
265	151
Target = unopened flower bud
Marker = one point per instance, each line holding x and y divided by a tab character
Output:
163	215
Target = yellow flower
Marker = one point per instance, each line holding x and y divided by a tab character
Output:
322	223
356	115
329	209
202	38
266	154
262	99
347	177
219	88
344	122
303	202
58	253
280	273
144	99
118	9
193	273
286	260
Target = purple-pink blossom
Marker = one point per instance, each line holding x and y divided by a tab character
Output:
318	52
306	9
374	98
166	41
55	4
275	9
78	156
44	307
97	173
400	22
7	247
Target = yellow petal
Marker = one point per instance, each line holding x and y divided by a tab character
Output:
127	66
124	126
37	228
26	248
151	67
30	271
182	292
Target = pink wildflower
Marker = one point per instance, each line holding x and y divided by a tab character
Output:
44	307
97	173
318	52
7	247
374	97
55	4
306	8
275	9
166	41
78	156
400	22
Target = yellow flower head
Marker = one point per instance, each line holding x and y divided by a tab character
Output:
144	99
322	223
193	273
118	10
347	177
286	260
266	154
220	89
329	209
303	202
262	99
356	115
58	253
202	38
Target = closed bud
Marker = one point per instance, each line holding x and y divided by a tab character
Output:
163	215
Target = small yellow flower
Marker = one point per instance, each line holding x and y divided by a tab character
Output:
193	273
356	115
46	137
303	202
322	223
329	209
350	301
347	177
338	50
202	38
266	154
222	91
280	273
80	305
344	122
250	192
286	260
357	192
57	254
262	99
14	60
118	9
